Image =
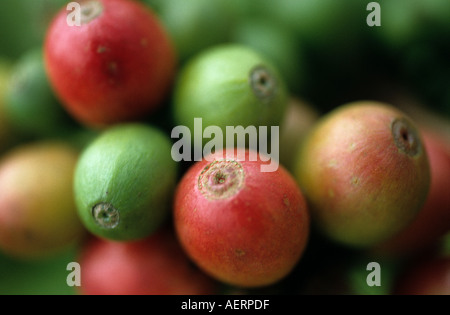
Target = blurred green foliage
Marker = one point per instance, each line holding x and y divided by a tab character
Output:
41	277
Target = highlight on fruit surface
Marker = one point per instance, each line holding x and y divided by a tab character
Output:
365	173
242	226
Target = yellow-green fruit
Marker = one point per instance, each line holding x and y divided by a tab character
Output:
37	209
364	171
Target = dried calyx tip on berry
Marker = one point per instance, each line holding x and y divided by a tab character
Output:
263	83
105	215
221	179
406	137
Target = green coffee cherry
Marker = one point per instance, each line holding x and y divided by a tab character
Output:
124	182
229	85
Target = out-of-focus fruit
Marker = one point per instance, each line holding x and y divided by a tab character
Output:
117	66
299	119
242	226
365	173
426	275
30	103
37	210
156	265
368	276
124	182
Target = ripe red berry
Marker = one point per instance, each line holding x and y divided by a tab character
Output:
240	225
155	265
116	66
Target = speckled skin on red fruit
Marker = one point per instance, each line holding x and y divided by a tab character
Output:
116	66
242	226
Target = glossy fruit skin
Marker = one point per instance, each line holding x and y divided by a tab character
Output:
249	237
38	216
155	265
361	187
433	220
217	86
115	68
127	170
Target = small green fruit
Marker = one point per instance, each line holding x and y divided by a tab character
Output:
124	182
230	85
